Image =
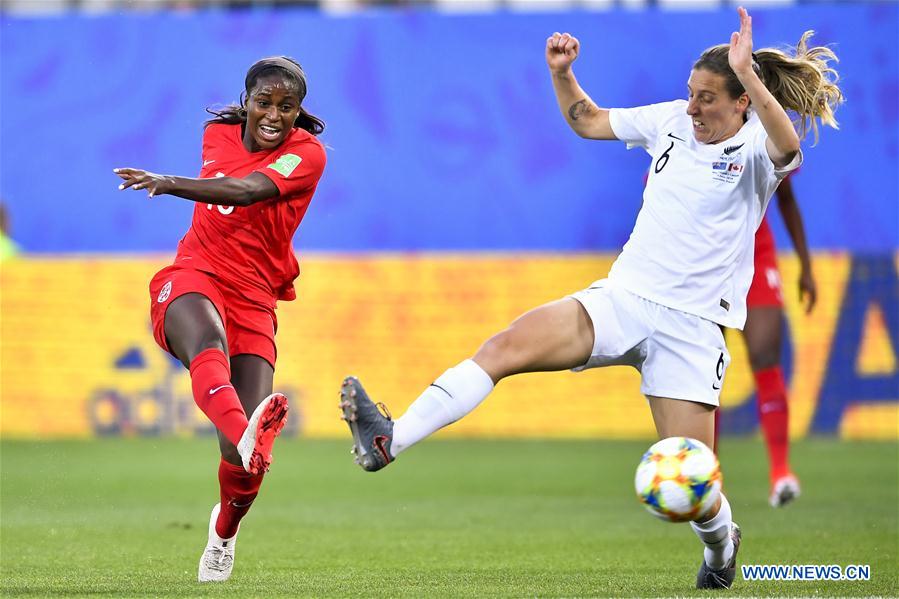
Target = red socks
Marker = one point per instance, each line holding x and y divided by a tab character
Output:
774	418
238	490
210	377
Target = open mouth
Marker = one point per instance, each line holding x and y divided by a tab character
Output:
269	133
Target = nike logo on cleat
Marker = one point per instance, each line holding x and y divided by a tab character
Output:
379	443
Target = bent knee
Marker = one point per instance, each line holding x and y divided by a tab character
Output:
212	341
502	355
229	452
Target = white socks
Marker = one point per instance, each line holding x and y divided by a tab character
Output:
715	533
454	394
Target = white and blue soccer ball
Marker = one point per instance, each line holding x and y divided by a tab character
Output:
678	479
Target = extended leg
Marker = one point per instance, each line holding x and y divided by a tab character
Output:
555	336
717	531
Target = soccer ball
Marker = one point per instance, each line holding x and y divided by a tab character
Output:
678	479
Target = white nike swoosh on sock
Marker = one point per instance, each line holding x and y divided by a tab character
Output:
213	391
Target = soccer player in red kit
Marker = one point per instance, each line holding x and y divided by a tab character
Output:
762	333
214	307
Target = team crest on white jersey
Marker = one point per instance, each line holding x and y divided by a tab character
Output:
728	166
165	292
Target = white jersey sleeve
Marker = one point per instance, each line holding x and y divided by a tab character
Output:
639	127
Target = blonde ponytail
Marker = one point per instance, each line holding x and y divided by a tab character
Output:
803	82
800	79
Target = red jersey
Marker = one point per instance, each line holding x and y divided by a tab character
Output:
251	247
764	238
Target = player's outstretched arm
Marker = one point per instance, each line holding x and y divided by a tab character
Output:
226	191
789	210
783	141
581	113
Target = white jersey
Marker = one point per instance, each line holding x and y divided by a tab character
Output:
692	245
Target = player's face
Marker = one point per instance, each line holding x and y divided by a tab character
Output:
272	107
716	116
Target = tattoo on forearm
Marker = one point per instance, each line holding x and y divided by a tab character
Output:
579	109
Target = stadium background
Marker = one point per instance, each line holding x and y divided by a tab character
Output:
455	198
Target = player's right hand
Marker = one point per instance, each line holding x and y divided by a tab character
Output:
562	50
136	178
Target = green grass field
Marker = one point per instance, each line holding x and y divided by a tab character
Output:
127	518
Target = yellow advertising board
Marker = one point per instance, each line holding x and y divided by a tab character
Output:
77	356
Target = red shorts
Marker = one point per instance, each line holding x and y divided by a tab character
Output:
766	288
249	326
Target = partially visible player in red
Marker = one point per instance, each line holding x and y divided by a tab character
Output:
762	333
214	307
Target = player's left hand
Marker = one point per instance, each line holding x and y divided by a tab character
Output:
136	178
740	54
808	290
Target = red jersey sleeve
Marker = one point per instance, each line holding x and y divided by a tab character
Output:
297	166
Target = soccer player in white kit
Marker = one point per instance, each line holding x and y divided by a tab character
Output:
683	274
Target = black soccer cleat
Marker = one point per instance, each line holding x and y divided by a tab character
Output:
372	431
723	578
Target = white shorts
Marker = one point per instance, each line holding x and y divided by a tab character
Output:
679	355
